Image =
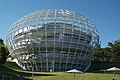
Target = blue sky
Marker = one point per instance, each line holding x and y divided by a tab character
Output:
105	14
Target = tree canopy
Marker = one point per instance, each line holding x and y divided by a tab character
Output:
3	52
111	53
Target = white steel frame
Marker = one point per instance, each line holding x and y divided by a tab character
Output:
53	40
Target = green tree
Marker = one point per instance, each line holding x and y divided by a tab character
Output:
107	54
3	52
98	54
102	54
115	50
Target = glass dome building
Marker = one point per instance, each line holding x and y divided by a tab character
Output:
53	40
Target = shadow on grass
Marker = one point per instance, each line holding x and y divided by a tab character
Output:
35	74
9	72
16	75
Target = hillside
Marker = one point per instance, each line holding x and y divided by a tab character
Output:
11	70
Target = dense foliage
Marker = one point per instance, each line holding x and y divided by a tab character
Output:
3	52
111	53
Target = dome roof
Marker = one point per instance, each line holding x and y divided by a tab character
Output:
52	15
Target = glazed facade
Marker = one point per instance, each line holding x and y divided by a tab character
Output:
53	40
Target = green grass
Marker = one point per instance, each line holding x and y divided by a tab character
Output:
70	76
9	69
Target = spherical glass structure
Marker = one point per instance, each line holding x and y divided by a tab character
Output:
53	40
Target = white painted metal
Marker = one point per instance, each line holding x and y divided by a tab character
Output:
53	39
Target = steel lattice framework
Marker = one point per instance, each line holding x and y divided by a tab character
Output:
53	40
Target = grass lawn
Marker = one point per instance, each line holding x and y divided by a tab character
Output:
12	69
70	76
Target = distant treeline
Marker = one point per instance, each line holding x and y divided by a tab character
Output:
111	53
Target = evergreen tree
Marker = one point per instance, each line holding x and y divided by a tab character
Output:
111	53
3	52
115	50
